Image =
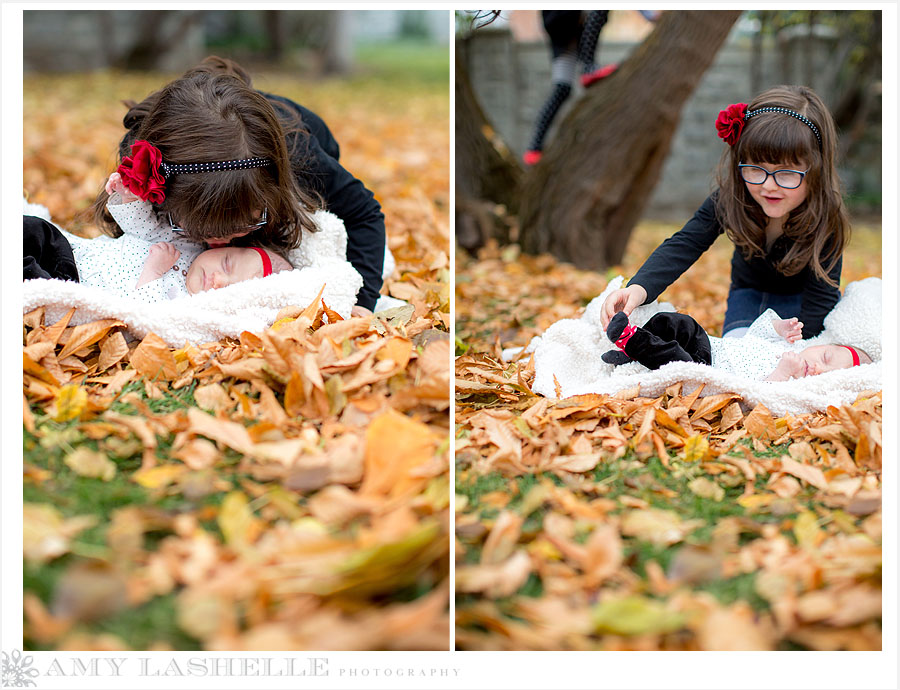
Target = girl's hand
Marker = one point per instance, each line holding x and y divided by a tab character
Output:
115	184
789	329
359	311
623	299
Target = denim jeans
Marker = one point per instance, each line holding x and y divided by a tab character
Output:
745	305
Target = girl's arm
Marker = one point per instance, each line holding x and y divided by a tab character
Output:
345	196
679	252
819	298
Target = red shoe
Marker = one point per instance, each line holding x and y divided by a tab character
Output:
598	74
531	157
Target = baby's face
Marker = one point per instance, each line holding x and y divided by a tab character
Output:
216	268
822	358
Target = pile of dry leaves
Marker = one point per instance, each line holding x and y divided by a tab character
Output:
674	522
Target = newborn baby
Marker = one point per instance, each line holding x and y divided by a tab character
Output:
152	262
214	268
759	354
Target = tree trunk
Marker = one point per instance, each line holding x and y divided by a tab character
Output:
155	41
581	201
487	173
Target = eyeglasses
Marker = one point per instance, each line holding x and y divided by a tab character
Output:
786	179
240	232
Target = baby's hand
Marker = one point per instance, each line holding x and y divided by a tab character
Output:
161	257
163	254
789	329
790	366
115	184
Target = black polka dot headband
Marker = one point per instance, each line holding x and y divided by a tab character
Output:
169	169
144	173
805	120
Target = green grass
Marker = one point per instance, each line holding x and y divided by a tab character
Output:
72	494
641	479
406	60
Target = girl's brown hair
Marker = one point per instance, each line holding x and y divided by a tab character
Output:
210	114
819	227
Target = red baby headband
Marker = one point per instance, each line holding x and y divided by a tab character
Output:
144	173
854	353
267	265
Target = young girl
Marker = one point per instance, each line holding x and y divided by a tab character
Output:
779	201
226	164
760	354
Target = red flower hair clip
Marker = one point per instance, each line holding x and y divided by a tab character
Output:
730	122
141	172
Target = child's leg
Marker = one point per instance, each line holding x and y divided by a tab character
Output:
587	44
46	253
563	75
666	337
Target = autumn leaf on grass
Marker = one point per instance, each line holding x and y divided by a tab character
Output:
661	527
377	569
70	402
237	522
736	628
696	448
707	488
231	434
390	566
113	349
202	613
87	334
153	358
502	539
760	424
46	533
395	445
635	615
808	473
806	530
159	476
90	463
496	580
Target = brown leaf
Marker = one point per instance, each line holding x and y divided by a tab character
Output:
712	403
231	434
90	463
395	444
760	424
87	334
808	473
502	539
153	358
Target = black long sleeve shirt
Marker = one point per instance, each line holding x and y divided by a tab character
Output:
679	252
344	195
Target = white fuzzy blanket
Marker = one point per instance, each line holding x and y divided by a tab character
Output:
251	305
568	354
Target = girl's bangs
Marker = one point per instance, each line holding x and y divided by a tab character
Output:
777	140
229	205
